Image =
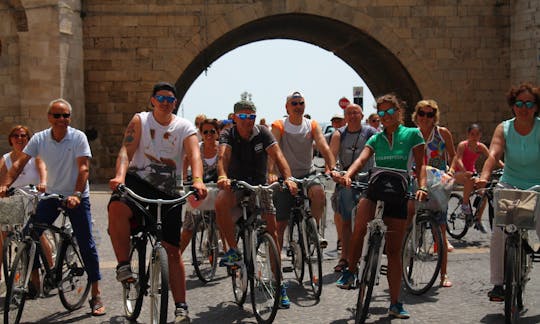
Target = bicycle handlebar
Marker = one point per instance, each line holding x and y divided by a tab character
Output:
239	184
30	191
123	189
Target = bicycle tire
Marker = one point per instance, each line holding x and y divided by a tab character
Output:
133	292
456	224
73	287
296	248
239	273
314	256
420	262
8	255
204	248
511	282
367	279
265	281
159	286
16	292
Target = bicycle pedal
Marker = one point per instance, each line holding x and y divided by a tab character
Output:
287	269
384	270
536	257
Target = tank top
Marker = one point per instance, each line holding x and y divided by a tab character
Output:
521	156
29	174
351	144
436	150
469	157
159	157
209	166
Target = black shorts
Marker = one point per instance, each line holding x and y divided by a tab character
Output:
398	211
171	218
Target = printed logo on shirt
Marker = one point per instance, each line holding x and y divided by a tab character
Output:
258	148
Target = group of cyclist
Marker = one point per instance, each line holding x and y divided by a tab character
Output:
159	145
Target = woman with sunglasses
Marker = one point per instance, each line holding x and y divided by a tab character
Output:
440	153
392	148
33	173
518	139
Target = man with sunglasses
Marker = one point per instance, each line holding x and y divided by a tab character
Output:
66	153
150	162
243	155
374	121
296	135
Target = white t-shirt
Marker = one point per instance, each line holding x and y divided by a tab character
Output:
29	174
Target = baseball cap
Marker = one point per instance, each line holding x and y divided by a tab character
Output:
163	86
244	104
294	95
337	116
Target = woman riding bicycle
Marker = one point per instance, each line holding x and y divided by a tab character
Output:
392	148
518	139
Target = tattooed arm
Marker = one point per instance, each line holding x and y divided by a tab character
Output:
130	144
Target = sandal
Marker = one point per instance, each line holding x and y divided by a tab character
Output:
445	283
341	266
96	306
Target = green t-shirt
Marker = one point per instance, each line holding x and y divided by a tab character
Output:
397	154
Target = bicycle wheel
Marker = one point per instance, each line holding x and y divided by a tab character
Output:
17	286
159	286
511	282
74	286
296	248
266	280
133	291
239	272
9	251
314	257
456	224
204	248
421	260
367	278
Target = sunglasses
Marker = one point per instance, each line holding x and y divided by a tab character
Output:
422	113
528	104
246	116
19	135
388	112
162	99
57	116
296	103
209	131
375	120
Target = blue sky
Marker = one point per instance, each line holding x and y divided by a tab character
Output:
270	70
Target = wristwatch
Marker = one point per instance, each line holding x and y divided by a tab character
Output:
78	194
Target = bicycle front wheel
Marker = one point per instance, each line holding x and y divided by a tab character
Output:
314	257
367	279
74	286
159	286
204	248
266	280
512	284
9	251
17	285
239	273
456	225
133	291
421	255
296	248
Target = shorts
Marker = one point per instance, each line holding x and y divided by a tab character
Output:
398	211
284	201
334	200
347	198
171	218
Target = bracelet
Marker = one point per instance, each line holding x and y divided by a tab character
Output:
424	189
197	179
291	179
222	177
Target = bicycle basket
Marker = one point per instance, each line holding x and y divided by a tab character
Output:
439	189
518	207
388	185
16	209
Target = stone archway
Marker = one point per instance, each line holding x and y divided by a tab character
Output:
377	66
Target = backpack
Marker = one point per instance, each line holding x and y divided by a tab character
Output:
388	185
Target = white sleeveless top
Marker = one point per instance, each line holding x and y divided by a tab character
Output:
29	174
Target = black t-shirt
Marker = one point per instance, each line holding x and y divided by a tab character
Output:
249	159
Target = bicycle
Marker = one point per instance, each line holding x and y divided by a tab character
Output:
260	263
516	212
304	246
151	280
66	274
458	223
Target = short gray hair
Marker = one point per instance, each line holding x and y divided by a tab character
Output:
60	100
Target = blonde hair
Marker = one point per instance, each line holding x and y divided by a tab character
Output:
427	103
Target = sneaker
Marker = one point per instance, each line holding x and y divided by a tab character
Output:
323	243
33	292
496	294
397	310
480	227
181	315
347	280
123	273
230	258
284	301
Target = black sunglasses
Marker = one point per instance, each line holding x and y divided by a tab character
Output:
57	116
296	103
422	113
211	131
19	135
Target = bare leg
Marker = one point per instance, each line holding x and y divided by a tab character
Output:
394	239
119	229
225	201
177	274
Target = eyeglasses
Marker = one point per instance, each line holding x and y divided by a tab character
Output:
389	112
209	131
57	116
296	103
528	104
246	116
422	113
162	99
374	120
19	135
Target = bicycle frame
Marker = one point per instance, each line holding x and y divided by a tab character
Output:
375	226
